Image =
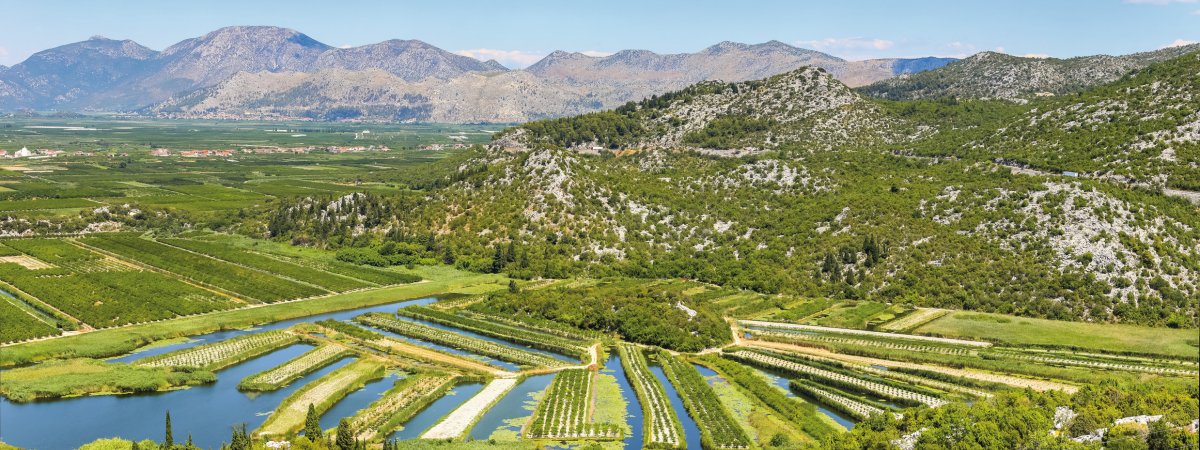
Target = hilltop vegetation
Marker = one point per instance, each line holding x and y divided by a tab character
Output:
912	209
1001	76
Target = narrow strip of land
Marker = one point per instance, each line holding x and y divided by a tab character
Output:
1037	385
455	424
820	329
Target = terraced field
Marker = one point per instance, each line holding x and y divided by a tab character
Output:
322	393
718	429
565	410
400	403
478	346
662	428
218	355
840	379
305	364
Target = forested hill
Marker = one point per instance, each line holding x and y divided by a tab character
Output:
918	211
1001	76
804	106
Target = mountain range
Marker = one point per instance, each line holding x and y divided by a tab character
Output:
294	75
262	72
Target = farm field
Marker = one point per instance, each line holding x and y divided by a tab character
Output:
735	408
1012	330
407	397
322	394
565	410
717	426
253	285
661	426
81	286
304	364
455	340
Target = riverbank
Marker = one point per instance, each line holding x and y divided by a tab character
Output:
117	341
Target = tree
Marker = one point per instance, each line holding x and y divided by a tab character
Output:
512	286
168	440
312	424
345	436
240	439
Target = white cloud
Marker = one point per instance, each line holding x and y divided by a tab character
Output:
596	53
850	43
1000	50
510	58
345	46
1179	43
1035	55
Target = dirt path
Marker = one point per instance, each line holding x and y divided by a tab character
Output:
1038	385
433	355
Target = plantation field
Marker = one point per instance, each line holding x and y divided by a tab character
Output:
103	133
322	393
19	322
99	291
250	284
112	342
264	263
1013	330
565	410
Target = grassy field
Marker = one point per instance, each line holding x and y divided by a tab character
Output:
73	377
1100	337
322	394
117	341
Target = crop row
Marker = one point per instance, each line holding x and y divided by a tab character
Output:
783	336
366	273
537	324
104	298
249	283
663	429
1098	364
244	257
404	400
914	319
474	345
717	428
858	409
564	411
350	330
285	373
17	324
837	378
523	336
875	334
803	414
218	355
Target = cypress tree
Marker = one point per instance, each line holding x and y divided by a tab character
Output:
345	436
135	446
312	424
168	440
241	439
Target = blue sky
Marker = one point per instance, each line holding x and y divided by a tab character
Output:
519	32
